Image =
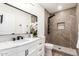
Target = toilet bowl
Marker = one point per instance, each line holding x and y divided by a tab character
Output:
48	49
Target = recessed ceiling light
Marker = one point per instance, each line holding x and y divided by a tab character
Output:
59	7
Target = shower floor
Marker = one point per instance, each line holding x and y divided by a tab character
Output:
64	51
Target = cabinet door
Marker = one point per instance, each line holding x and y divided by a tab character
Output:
36	51
16	53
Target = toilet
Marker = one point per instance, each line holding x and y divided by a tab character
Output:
48	49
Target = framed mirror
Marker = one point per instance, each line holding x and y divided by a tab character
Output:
16	20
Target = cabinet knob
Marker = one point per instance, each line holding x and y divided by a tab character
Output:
40	43
40	49
3	54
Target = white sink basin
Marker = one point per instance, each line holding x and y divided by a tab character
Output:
10	44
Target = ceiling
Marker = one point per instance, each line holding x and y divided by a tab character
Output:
55	7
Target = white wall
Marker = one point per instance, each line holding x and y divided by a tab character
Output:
36	10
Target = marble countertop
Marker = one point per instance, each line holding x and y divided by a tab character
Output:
10	44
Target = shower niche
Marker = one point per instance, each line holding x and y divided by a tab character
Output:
61	25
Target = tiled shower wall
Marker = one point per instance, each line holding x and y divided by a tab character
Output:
66	37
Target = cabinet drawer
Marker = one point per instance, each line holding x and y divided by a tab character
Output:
36	51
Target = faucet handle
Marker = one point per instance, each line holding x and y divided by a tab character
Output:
21	37
18	37
13	39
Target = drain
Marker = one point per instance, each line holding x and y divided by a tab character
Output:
59	48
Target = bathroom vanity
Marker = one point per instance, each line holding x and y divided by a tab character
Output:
25	47
15	25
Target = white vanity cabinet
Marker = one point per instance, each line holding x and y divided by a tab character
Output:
34	48
15	51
